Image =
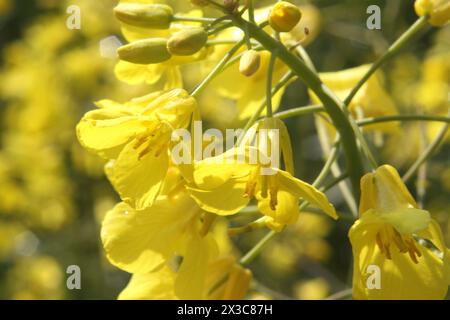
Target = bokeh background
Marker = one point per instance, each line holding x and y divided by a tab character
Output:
53	194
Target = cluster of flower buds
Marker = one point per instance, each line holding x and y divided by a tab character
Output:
185	42
283	17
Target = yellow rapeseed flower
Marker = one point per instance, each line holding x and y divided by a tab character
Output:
136	136
220	279
224	185
401	240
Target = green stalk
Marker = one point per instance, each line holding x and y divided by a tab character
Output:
269	108
330	102
217	69
394	49
402	117
301	111
283	81
193	19
251	11
427	153
327	167
253	253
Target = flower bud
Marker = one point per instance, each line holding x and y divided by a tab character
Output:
249	63
187	42
437	10
284	16
146	51
156	16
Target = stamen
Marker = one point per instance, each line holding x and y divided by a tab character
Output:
273	191
264	186
145	151
399	241
388	252
140	140
404	243
413	250
379	242
250	189
412	255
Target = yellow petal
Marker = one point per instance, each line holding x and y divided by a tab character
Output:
158	285
384	190
286	211
139	179
133	33
213	172
400	277
227	199
191	279
370	101
238	283
174	78
140	241
127	239
137	73
106	129
307	192
408	220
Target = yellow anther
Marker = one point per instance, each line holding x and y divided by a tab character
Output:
273	191
404	243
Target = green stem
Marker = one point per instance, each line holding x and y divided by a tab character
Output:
402	117
301	111
305	56
359	135
395	48
251	11
283	82
257	224
334	182
427	153
330	102
364	145
220	28
193	19
222	41
273	57
327	166
253	253
217	69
